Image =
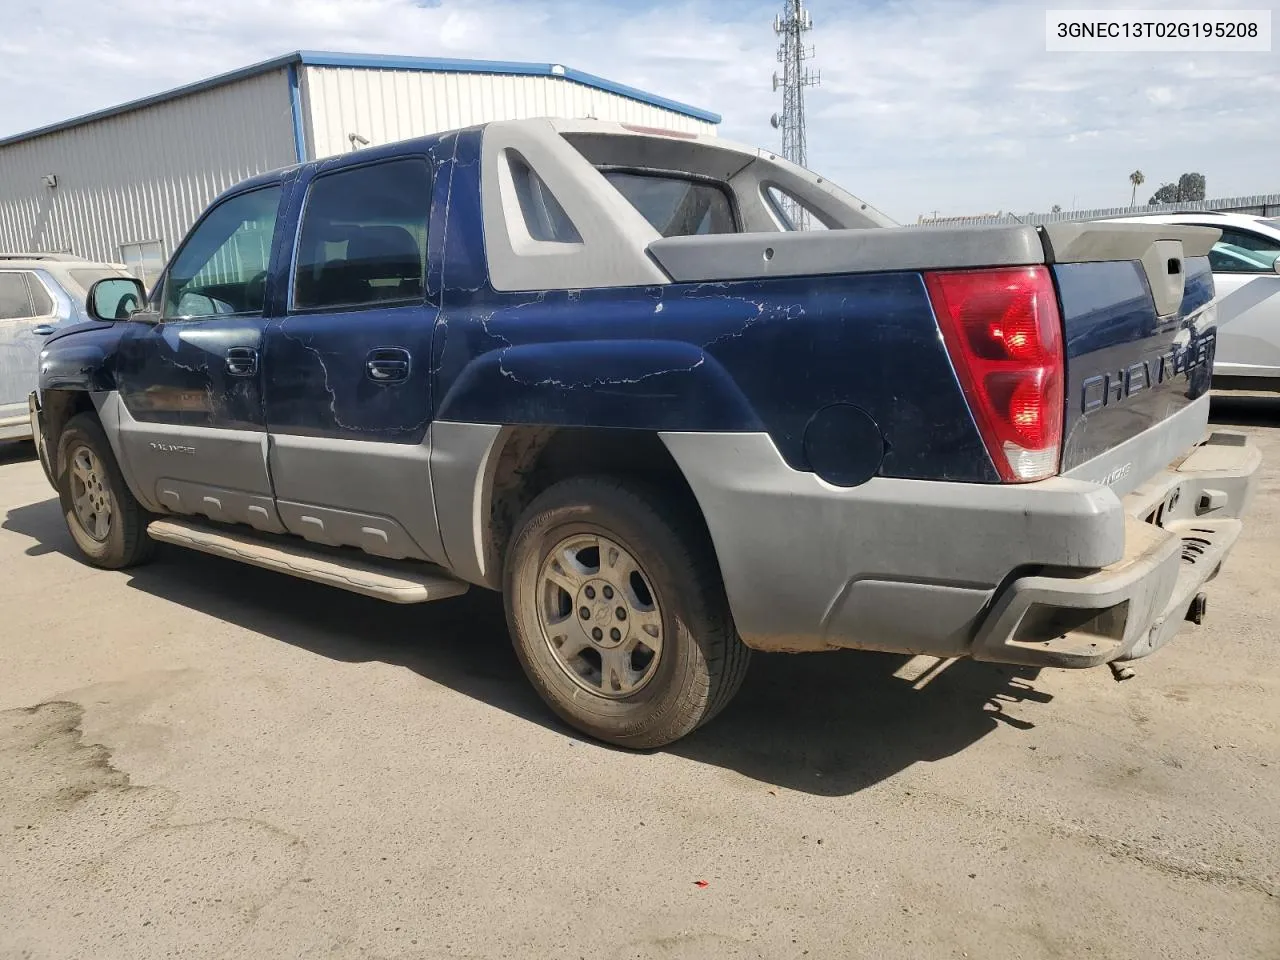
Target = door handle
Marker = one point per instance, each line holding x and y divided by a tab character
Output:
387	365
43	330
242	361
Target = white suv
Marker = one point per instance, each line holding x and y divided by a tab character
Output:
39	292
1246	274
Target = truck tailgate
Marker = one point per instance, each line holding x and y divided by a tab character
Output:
1139	327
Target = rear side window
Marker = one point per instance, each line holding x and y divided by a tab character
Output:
544	218
364	237
86	277
676	206
41	302
15	304
791	212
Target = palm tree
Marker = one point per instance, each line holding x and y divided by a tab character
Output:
1137	179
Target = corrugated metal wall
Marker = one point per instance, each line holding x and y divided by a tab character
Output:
146	174
142	175
387	105
1260	205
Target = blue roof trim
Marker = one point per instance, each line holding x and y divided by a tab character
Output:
600	83
244	73
376	62
379	61
295	111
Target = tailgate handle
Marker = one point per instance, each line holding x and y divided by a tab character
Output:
1162	264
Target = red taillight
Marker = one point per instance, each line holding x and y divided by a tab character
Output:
1004	335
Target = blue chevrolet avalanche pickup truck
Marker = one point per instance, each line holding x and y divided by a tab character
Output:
598	367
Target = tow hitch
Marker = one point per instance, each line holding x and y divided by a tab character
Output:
1120	671
1195	612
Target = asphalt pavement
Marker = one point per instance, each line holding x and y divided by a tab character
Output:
202	759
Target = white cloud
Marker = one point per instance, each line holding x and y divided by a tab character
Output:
951	105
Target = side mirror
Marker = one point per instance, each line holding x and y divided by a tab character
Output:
115	298
1275	264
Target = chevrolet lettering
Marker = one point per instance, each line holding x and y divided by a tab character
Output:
1103	389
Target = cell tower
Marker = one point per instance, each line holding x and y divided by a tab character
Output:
791	25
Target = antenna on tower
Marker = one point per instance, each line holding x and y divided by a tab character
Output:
791	25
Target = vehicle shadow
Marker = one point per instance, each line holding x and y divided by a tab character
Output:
827	724
16	451
1245	410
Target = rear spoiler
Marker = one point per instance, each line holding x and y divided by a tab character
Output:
1083	242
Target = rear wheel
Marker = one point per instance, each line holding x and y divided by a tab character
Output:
618	614
106	522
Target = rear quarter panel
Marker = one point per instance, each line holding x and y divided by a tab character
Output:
735	356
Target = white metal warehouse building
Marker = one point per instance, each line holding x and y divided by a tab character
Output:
124	184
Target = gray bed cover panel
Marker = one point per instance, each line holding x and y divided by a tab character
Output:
746	256
749	255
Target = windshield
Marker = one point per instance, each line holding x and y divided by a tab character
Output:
676	206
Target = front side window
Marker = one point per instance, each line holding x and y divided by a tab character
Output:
676	206
15	302
363	240
1239	251
222	267
1228	258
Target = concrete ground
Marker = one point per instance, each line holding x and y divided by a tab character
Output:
200	759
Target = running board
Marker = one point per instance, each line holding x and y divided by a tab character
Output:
398	584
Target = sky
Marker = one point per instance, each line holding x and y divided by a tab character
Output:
925	106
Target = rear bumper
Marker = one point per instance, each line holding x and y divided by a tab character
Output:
1179	528
1062	572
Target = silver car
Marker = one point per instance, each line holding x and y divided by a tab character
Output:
39	292
1246	276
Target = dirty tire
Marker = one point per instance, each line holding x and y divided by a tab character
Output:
702	661
124	542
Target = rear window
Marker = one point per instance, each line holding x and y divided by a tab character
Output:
41	302
364	236
792	213
676	206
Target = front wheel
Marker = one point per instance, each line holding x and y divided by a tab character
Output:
618	614
108	525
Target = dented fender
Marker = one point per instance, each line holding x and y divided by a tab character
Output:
82	357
